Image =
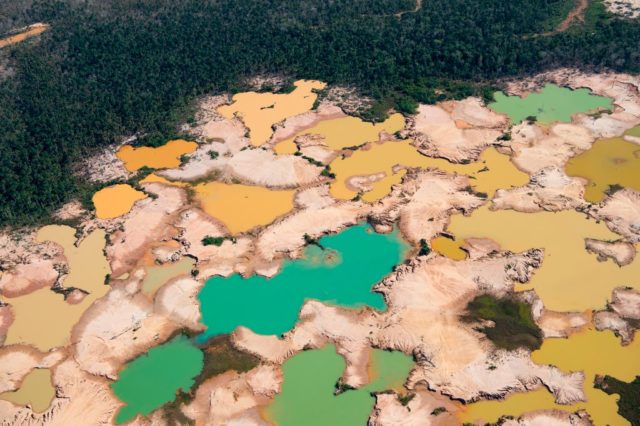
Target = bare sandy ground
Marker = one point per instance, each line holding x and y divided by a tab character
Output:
389	411
146	223
621	212
456	130
623	314
235	396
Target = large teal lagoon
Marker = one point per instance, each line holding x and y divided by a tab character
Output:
342	273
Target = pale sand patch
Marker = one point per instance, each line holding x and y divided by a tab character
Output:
117	328
457	130
549	189
535	148
147	222
625	8
230	256
620	252
420	410
27	277
621	212
235	398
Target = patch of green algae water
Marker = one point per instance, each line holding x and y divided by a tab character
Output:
551	104
307	396
153	379
341	274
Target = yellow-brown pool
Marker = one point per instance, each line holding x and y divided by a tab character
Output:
590	351
36	391
43	318
243	207
493	170
116	200
609	162
343	132
260	111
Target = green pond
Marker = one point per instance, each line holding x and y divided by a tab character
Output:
307	396
153	379
551	104
341	274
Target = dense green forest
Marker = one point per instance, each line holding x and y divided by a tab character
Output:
108	69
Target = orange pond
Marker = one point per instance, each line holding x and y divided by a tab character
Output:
116	200
260	111
243	207
162	157
493	170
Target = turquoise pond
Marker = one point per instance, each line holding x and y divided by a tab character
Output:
341	274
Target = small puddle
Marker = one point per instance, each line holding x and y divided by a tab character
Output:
560	282
36	391
552	103
87	270
116	200
590	351
359	258
609	162
163	157
340	133
154	378
260	111
243	207
491	172
307	396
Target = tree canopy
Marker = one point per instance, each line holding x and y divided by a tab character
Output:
107	69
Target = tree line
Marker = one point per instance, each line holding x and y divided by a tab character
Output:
110	69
